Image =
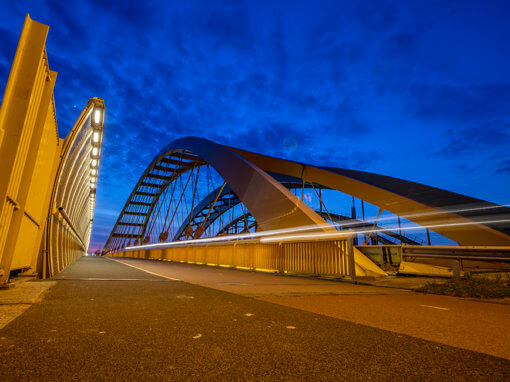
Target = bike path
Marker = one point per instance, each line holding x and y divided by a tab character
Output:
107	321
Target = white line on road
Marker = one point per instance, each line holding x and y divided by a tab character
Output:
144	270
434	307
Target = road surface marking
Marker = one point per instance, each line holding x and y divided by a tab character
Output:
235	284
99	279
144	270
434	307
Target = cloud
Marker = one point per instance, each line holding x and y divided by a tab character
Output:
486	137
226	24
404	41
504	167
344	84
144	14
353	160
456	104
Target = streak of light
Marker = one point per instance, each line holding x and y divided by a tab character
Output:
250	235
318	235
421	214
335	235
311	228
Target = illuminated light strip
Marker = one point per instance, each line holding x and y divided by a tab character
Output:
197	241
313	227
373	220
322	235
453	224
333	235
97	115
338	235
232	237
293	230
432	225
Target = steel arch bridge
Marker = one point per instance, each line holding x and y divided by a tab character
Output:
227	200
177	201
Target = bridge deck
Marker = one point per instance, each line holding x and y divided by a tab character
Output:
105	320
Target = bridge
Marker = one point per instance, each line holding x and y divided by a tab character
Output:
202	202
280	236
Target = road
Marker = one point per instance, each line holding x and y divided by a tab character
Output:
104	320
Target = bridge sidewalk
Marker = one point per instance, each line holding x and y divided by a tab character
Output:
103	320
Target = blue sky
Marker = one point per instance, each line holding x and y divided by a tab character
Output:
415	90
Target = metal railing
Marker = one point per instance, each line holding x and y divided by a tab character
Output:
452	260
439	260
332	258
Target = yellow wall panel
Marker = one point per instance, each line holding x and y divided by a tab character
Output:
25	244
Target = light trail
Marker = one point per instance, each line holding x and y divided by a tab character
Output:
265	236
302	229
339	235
421	214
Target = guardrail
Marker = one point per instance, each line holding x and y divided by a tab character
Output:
453	261
439	260
333	258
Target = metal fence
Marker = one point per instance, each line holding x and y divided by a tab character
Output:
333	258
452	260
439	260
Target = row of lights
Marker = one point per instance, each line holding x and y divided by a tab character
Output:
92	201
96	123
97	114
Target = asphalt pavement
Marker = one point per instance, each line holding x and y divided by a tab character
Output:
479	325
103	320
